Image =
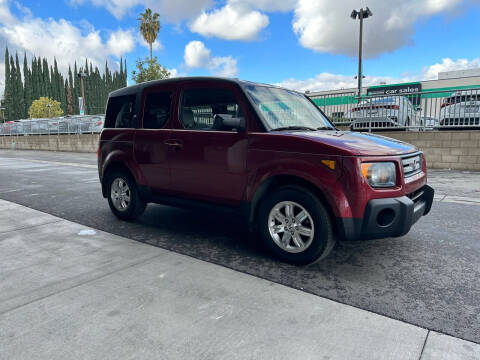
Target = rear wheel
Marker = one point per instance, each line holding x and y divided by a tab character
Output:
295	226
123	196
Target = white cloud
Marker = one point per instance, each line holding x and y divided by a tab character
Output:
23	9
231	22
268	5
171	10
329	81
173	72
198	56
447	64
235	20
121	42
157	45
49	38
325	26
2	78
61	39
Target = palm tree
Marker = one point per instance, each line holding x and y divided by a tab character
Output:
149	27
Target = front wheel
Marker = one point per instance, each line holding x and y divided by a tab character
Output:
295	226
123	196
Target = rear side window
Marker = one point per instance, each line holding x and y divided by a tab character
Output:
199	107
120	112
157	110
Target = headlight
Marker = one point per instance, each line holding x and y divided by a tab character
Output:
380	174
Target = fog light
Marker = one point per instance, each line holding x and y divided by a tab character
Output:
385	217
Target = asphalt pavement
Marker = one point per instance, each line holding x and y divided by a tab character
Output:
428	278
72	292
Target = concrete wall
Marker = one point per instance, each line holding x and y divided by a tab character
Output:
75	143
443	149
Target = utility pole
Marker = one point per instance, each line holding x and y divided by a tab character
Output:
362	14
81	76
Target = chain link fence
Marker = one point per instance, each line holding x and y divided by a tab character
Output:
75	124
419	111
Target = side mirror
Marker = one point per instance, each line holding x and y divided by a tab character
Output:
226	122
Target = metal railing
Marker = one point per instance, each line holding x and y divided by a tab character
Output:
76	124
420	111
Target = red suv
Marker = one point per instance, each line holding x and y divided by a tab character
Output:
262	151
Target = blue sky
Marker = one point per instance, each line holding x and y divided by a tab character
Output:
303	44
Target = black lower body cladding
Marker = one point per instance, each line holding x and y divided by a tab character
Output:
389	217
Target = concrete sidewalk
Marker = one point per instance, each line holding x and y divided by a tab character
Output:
70	292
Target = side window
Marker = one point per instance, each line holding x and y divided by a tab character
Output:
157	110
120	112
199	106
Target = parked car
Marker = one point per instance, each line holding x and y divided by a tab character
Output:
41	126
24	126
385	112
7	127
430	123
263	152
97	123
461	108
57	125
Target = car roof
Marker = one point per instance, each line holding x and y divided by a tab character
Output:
134	89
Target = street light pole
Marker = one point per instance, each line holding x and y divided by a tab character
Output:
362	14
81	76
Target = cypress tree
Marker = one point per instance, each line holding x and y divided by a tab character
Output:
125	74
77	91
40	79
51	85
7	91
35	81
45	79
72	94
28	85
19	90
68	95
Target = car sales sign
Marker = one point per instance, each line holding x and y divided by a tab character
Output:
411	90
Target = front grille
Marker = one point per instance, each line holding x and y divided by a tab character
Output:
416	195
464	121
412	165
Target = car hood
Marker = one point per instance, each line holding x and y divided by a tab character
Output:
356	143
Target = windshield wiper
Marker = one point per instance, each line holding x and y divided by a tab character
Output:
325	128
294	128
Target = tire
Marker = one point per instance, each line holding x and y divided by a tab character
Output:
284	244
134	207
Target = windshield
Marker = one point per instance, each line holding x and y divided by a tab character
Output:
282	108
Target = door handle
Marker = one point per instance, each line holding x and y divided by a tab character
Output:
176	144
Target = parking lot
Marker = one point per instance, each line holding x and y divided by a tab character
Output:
428	278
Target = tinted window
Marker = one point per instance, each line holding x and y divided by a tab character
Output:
157	110
199	106
120	112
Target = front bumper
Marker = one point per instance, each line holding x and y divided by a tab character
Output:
391	217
